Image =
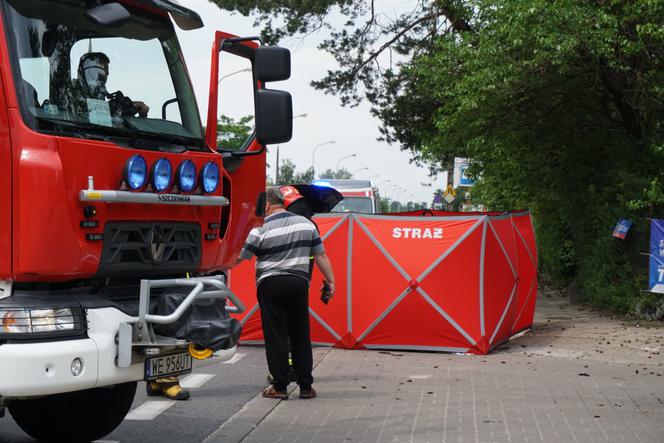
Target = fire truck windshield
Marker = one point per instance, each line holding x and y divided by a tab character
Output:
78	78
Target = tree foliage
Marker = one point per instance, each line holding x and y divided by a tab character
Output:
288	174
339	174
233	134
560	106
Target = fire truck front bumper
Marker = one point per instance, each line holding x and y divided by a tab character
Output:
50	366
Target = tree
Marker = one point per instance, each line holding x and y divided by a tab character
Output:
306	176
233	134
366	46
557	116
287	173
342	173
385	204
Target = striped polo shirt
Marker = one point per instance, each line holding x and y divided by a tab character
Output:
283	246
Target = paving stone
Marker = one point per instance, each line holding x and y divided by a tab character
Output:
552	387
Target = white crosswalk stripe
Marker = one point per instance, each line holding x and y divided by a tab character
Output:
236	358
149	410
152	408
195	380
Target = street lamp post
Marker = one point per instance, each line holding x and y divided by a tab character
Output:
358	170
343	158
384	181
389	187
233	73
397	195
276	171
313	155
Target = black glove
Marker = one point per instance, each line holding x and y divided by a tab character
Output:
121	104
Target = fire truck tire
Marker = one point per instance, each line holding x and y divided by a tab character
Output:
81	416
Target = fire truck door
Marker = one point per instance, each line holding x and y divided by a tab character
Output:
235	119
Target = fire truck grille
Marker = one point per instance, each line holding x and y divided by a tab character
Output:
150	248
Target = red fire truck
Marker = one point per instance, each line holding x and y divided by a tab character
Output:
112	199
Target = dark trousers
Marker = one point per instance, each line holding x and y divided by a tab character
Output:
284	303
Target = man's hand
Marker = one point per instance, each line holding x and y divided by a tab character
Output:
323	263
141	108
326	291
332	287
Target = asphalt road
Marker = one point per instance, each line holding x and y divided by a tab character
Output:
223	390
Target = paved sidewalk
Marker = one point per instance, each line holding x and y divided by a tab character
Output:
579	376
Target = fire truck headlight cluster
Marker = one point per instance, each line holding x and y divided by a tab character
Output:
210	177
136	172
40	320
186	176
162	173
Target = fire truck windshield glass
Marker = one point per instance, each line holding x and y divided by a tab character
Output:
78	78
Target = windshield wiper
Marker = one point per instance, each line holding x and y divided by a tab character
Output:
129	133
171	138
97	129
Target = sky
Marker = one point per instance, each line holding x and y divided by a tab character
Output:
353	130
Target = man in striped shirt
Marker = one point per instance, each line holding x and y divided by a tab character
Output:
283	247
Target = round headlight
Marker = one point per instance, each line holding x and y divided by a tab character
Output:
186	176
135	172
210	177
162	173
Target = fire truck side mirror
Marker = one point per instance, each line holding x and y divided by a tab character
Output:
109	15
272	64
274	116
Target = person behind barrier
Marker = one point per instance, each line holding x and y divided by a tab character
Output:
282	247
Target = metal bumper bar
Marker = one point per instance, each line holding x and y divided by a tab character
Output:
150	198
141	335
106	196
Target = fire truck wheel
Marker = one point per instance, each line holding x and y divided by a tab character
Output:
81	416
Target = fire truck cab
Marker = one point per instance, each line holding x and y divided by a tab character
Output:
112	197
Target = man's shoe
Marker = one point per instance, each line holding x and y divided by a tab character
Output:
168	389
306	394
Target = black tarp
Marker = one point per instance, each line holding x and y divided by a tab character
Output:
205	323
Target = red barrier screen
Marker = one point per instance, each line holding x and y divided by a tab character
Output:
449	282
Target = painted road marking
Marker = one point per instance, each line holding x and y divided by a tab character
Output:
419	376
236	358
149	410
195	380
